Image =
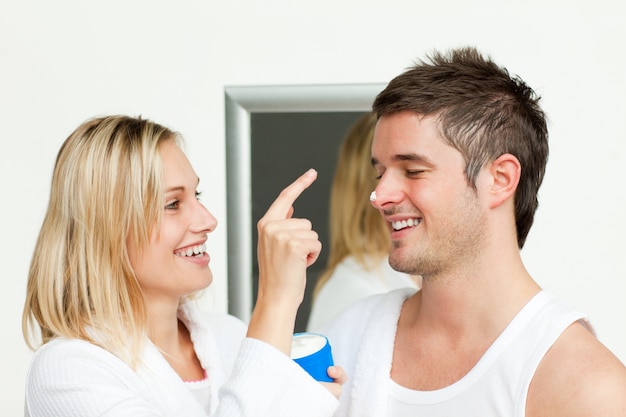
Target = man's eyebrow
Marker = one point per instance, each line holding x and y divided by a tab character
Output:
406	157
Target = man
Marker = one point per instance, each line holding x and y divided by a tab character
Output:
460	149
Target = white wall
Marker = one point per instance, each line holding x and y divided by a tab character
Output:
64	61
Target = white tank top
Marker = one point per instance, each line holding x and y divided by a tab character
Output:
498	384
202	391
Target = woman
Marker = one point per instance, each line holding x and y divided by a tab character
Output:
357	265
120	254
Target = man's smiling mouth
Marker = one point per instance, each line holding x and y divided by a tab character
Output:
402	224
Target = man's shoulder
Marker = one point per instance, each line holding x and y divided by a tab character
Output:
578	377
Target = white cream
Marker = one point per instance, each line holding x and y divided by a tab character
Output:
305	344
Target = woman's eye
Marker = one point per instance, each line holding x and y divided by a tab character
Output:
172	206
198	195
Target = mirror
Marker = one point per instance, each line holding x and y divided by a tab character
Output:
273	134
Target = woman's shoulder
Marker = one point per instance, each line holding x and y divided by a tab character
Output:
68	349
222	324
358	314
350	277
74	360
373	272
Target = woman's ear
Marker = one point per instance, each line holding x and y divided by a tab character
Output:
505	173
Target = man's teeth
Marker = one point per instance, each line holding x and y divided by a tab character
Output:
404	223
193	251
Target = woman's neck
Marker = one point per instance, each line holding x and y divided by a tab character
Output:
170	335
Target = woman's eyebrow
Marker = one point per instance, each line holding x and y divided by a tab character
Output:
175	188
179	187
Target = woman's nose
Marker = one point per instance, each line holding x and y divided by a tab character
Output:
205	222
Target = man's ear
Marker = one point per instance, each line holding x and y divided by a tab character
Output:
505	174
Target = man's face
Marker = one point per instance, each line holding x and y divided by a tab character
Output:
435	217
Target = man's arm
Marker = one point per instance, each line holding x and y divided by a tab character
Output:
578	377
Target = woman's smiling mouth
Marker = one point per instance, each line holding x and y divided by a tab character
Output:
197	250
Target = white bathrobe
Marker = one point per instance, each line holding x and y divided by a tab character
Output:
74	378
362	341
351	282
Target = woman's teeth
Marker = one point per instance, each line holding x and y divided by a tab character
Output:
404	223
197	250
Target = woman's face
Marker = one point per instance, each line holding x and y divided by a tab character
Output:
175	262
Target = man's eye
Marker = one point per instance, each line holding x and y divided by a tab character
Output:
172	206
198	195
413	172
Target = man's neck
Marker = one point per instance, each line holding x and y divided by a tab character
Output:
445	328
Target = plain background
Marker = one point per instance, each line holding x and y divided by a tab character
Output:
62	62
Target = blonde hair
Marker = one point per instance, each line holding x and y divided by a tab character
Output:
356	228
106	189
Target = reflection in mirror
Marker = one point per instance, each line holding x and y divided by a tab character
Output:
273	134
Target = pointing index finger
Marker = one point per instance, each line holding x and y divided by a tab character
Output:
281	207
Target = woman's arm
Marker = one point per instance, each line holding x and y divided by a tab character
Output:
287	246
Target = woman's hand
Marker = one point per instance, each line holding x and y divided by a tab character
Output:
339	377
286	247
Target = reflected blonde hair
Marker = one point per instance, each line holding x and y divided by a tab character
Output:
106	189
356	228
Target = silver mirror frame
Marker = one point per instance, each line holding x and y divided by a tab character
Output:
240	103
